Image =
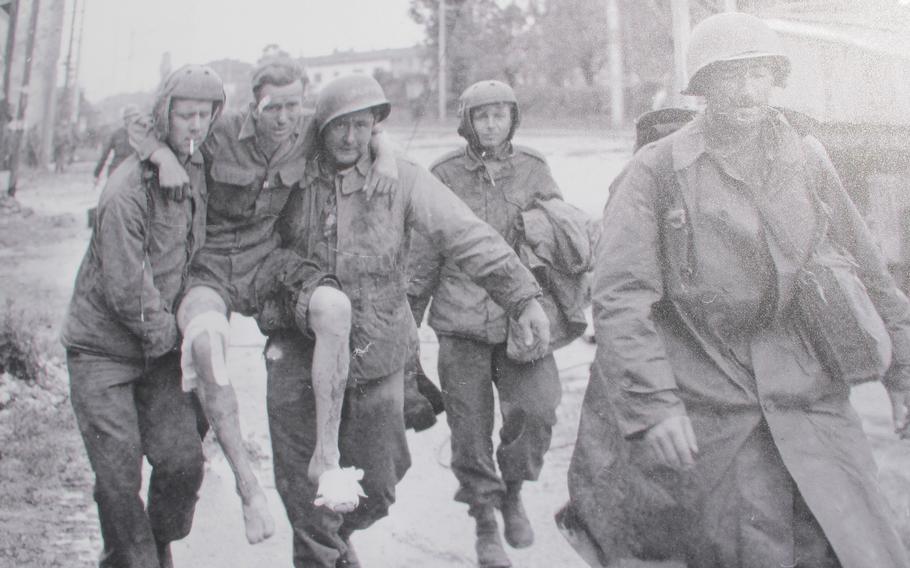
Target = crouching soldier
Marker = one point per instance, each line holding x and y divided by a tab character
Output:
365	244
122	338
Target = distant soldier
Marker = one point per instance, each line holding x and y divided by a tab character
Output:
117	148
498	181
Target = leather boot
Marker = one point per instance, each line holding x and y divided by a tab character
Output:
518	531
488	545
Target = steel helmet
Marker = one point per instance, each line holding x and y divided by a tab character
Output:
484	93
348	94
188	82
732	36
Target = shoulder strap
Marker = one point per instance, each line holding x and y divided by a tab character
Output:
779	233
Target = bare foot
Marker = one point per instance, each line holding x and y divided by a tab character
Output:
258	519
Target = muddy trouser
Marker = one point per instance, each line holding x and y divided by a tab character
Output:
372	438
528	396
126	410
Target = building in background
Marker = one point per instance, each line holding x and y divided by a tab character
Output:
398	63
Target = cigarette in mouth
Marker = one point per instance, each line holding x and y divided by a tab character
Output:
192	146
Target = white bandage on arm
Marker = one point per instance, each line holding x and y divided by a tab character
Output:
219	330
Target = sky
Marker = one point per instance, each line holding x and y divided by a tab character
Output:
123	40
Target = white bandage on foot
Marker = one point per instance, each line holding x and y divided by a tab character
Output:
339	489
219	330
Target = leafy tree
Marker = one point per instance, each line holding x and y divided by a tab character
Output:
484	39
573	37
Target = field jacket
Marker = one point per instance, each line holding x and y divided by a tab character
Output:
497	194
133	273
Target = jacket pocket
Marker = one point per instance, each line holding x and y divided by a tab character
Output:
234	190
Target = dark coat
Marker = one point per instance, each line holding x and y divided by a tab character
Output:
693	314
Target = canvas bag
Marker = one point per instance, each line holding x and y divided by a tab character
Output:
849	336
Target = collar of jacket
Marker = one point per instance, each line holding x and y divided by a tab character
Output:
689	143
248	127
473	161
352	179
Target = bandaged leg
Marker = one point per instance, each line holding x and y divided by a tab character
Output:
203	322
329	317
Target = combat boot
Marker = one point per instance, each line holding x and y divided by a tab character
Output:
488	545
518	531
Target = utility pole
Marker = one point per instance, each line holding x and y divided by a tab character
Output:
66	111
10	47
18	125
441	61
681	28
78	61
615	62
6	111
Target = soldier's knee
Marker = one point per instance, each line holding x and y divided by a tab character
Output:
329	311
206	338
198	300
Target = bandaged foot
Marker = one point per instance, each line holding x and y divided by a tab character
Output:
257	518
339	489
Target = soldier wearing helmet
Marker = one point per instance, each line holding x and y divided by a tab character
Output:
121	336
254	161
498	181
708	399
364	243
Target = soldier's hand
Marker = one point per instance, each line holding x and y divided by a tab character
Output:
382	178
534	327
172	177
673	442
900	411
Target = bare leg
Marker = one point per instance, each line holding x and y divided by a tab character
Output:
330	320
220	405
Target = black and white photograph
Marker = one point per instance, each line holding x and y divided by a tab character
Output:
455	283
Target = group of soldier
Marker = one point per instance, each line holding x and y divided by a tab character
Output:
336	244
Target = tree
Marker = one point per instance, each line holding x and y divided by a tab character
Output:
572	36
486	40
